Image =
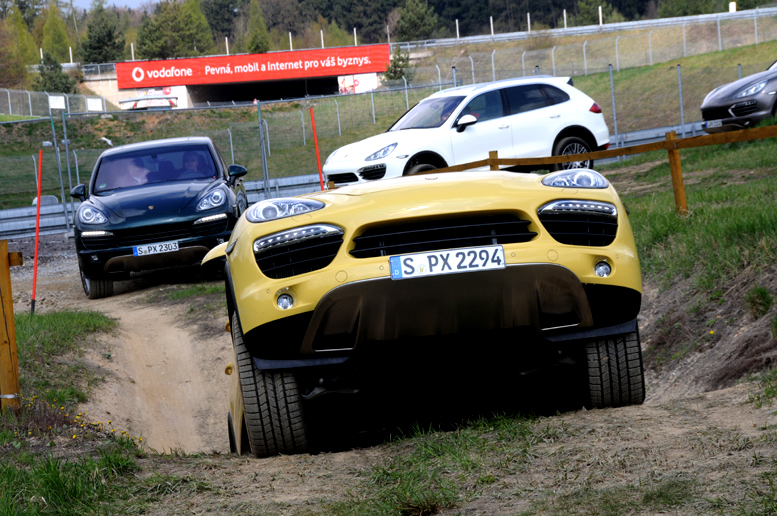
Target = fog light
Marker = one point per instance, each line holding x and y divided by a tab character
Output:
95	259
602	269
285	301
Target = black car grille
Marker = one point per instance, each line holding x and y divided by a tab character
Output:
153	234
433	234
716	113
580	228
744	108
292	260
348	177
373	172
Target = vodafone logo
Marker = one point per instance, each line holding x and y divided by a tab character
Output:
138	74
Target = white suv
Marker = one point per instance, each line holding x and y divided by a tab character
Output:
519	118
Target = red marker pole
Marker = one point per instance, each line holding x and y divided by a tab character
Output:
37	231
318	156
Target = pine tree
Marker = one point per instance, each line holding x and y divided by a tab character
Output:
55	39
416	21
51	77
196	29
588	13
12	69
399	67
104	43
25	46
258	39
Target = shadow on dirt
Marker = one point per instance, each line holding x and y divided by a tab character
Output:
443	384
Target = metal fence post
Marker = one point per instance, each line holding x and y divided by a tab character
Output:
720	42
78	176
59	168
265	172
585	61
105	108
67	160
650	46
35	169
755	24
67	99
455	81
10	109
439	77
523	64
680	87
372	100
493	68
29	99
302	117
231	148
536	69
337	107
267	135
685	49
471	64
407	102
553	59
739	67
614	116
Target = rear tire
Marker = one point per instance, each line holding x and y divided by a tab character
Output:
423	167
272	404
95	289
572	145
615	372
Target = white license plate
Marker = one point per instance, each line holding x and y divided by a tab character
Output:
713	123
450	261
162	247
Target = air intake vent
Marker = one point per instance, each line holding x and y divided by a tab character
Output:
576	222
744	108
341	179
373	172
430	235
297	251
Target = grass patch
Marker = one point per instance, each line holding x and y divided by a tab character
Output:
758	301
47	344
201	289
767	386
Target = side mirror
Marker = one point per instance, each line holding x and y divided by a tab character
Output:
465	121
79	192
236	171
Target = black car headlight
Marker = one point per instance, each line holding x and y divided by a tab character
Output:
576	178
89	215
281	208
213	200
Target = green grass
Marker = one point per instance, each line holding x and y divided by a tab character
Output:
758	301
14	118
201	289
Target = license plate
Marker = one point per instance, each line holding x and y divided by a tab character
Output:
162	247
451	261
713	123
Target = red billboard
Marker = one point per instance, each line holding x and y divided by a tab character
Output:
274	66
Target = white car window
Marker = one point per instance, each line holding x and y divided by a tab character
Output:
428	113
484	107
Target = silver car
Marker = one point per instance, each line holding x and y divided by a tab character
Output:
741	104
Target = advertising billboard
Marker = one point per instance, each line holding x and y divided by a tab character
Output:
273	66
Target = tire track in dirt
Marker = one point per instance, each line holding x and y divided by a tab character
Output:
166	385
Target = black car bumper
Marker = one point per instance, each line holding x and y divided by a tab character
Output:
116	263
733	116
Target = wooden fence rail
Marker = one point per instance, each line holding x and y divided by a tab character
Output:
672	145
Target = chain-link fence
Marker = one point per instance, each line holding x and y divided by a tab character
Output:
646	99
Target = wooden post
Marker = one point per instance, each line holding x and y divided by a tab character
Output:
493	155
9	367
677	176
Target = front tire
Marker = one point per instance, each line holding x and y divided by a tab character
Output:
616	375
272	404
572	145
96	289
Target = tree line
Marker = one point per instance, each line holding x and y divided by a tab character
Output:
188	28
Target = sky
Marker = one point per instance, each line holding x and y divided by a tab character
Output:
135	4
